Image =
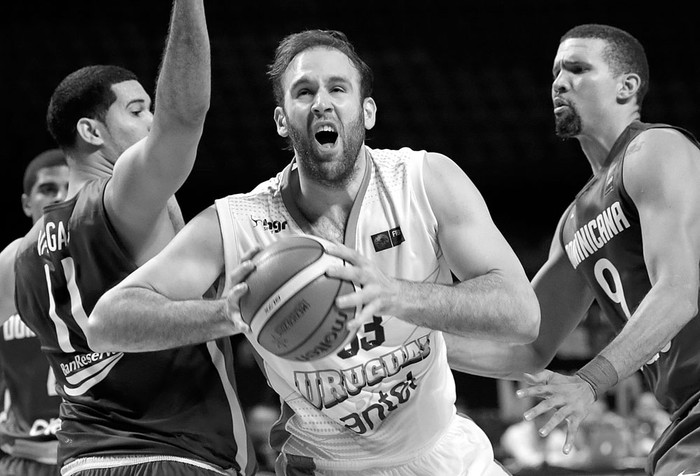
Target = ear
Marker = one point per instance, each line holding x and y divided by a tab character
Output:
628	87
25	205
281	122
89	131
369	112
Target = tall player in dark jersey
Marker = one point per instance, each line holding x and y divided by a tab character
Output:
630	240
173	412
30	418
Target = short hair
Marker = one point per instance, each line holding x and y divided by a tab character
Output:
86	92
48	158
623	52
293	44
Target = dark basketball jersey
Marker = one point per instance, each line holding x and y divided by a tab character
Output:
602	237
29	426
178	402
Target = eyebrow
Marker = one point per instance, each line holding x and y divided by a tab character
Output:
136	101
332	79
564	63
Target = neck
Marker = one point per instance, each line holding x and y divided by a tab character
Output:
598	142
85	168
325	206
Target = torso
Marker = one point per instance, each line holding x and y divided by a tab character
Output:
602	237
117	403
390	392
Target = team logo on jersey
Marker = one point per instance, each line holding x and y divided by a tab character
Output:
275	226
387	239
609	179
85	370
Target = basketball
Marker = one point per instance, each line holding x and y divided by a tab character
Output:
290	303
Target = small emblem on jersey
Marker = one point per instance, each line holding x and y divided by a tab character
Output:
609	180
387	239
275	226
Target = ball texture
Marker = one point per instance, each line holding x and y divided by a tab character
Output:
290	303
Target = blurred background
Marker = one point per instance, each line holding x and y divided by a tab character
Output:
469	79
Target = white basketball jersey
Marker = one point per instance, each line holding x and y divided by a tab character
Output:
389	395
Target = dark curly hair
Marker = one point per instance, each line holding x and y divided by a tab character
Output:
86	92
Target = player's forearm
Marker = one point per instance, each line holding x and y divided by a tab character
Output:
141	320
492	359
487	307
664	311
183	91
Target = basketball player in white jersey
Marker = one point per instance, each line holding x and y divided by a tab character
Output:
404	221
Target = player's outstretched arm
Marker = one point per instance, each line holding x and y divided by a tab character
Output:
564	299
159	305
151	171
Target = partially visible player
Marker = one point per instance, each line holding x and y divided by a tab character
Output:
630	240
30	419
173	412
385	404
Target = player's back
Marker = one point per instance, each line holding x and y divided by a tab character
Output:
177	402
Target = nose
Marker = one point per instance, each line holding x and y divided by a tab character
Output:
322	103
61	194
149	120
558	84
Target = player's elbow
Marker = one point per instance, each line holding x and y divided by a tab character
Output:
97	331
538	358
527	316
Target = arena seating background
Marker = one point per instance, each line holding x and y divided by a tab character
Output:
469	79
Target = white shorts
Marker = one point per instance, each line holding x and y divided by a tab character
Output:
463	450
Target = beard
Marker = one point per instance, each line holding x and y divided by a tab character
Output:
330	173
567	124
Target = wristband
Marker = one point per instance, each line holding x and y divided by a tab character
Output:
600	374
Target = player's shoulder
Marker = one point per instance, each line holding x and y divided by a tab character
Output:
29	240
404	154
660	136
261	191
264	198
660	157
661	145
7	255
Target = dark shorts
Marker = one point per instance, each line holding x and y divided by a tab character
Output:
13	466
677	451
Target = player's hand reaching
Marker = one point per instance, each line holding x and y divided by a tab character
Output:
570	397
376	293
237	286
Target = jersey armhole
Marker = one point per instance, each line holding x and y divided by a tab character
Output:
228	240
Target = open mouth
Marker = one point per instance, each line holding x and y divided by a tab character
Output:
326	136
